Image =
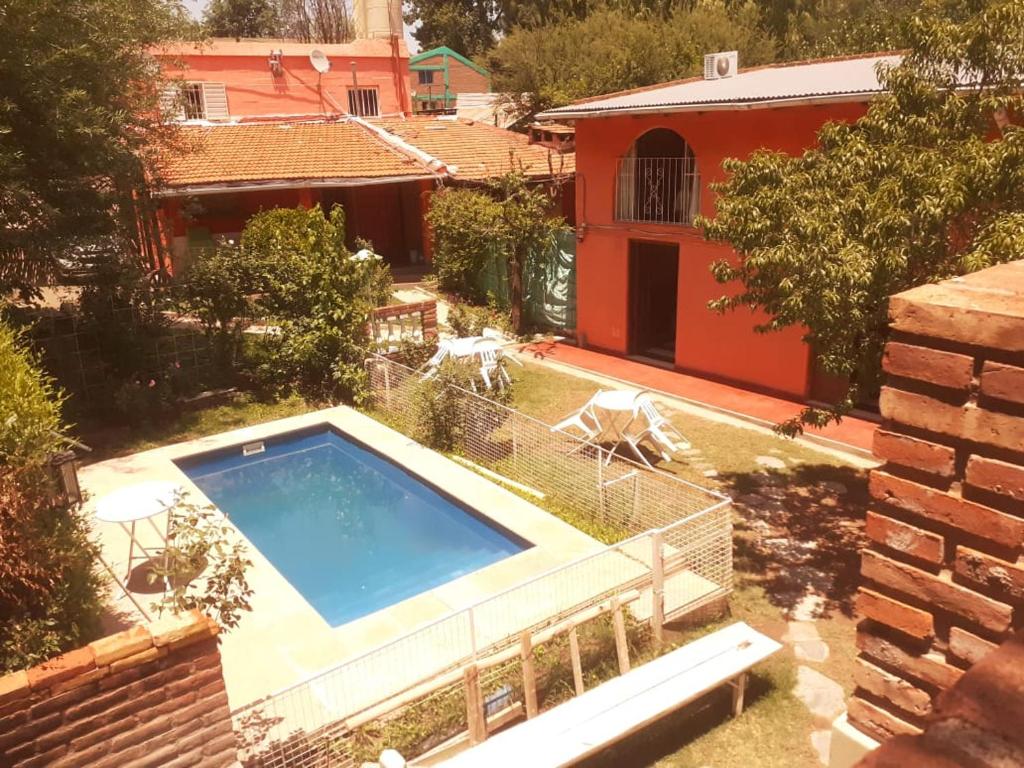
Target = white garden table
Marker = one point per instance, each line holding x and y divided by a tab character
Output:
134	503
616	402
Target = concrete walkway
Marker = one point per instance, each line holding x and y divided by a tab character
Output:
853	434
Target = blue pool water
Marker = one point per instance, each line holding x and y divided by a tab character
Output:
350	530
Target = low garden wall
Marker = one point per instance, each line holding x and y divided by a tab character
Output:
943	577
149	696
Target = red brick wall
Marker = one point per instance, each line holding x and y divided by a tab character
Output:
148	696
382	316
463	79
943	577
976	722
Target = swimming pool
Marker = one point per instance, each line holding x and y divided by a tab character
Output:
350	530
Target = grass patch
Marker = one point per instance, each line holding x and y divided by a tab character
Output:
243	411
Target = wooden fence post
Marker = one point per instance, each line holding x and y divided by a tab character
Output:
475	718
657	588
577	662
621	643
529	676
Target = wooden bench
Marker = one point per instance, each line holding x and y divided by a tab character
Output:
595	720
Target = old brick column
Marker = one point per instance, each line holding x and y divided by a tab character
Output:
943	576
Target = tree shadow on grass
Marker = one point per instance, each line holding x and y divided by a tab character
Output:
800	531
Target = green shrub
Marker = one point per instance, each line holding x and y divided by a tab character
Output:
466	227
30	405
438	407
468	320
447	415
217	290
319	296
49	591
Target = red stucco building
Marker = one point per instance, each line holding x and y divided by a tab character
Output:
645	161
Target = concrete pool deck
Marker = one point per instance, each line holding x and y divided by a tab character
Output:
284	641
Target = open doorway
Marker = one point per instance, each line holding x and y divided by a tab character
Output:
653	296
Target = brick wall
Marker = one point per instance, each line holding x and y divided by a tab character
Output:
943	576
389	322
463	79
143	697
977	722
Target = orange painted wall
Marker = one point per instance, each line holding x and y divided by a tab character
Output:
253	91
719	346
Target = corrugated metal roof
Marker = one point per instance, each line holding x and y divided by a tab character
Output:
823	80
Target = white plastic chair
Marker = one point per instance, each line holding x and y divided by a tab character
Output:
490	356
579	420
434	363
658	428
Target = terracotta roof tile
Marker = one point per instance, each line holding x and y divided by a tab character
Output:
479	151
225	154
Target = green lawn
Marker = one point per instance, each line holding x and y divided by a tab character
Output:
242	411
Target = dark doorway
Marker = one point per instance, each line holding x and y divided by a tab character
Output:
653	295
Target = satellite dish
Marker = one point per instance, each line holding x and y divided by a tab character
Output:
319	61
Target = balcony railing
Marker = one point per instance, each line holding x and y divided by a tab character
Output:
663	190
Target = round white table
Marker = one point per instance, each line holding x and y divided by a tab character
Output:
617	402
134	503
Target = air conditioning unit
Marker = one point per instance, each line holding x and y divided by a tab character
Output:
719	65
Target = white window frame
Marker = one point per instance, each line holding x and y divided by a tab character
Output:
196	100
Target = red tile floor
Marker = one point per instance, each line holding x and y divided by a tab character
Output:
853	432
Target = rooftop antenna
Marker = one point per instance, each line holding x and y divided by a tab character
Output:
319	61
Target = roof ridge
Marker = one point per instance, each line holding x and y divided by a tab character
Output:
758	68
445	50
398	144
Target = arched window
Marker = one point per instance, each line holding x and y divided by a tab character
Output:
658	180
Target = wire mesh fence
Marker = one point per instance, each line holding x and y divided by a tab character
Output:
77	354
671	551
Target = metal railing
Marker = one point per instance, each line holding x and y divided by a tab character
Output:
663	190
672	545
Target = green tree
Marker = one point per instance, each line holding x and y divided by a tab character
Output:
467	26
542	68
319	295
464	224
927	185
837	27
511	219
241	18
79	125
217	289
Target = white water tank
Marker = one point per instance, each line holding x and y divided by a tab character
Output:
377	18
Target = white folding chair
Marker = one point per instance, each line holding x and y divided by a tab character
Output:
584	419
489	354
434	363
658	428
